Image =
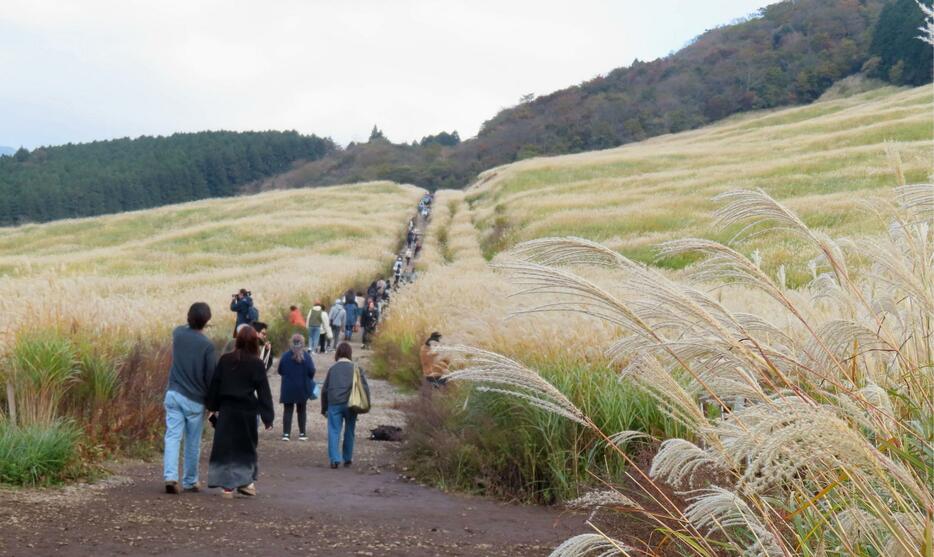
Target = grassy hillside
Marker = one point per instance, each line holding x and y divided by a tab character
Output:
88	305
827	161
146	267
823	160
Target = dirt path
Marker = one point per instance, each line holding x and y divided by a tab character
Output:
303	506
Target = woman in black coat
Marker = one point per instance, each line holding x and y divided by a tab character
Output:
239	391
298	373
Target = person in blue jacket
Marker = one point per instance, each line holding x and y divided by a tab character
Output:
242	303
298	373
353	313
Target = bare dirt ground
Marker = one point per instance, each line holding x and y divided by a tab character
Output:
303	507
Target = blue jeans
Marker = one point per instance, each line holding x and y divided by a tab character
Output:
340	415
348	332
314	336
182	415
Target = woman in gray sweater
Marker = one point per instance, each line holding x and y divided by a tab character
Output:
335	394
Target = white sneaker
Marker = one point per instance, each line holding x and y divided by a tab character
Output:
303	438
285	437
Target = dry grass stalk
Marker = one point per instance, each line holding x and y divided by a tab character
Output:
810	403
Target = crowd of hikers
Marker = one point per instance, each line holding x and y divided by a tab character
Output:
233	389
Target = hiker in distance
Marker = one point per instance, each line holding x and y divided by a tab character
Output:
295	317
298	374
327	334
239	392
397	270
190	376
335	399
368	321
337	316
352	310
242	304
315	319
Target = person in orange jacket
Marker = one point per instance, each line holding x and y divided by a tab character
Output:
296	317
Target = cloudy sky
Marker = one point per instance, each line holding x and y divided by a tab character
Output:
96	69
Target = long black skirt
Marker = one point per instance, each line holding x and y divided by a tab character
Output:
233	454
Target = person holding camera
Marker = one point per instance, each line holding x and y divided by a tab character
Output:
242	304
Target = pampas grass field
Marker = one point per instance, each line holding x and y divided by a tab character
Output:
719	341
820	160
89	304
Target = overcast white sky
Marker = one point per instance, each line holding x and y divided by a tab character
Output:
97	69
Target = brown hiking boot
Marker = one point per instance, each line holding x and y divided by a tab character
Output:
172	488
193	489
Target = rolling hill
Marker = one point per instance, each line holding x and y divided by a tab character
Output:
789	53
824	160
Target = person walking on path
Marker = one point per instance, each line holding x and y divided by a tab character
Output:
239	391
295	317
397	270
242	304
337	316
297	369
326	332
352	309
368	322
315	318
335	395
190	375
372	291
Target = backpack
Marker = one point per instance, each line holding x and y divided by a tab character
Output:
252	314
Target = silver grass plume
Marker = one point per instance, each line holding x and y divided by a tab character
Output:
855	524
591	545
916	197
623	437
927	30
895	159
678	460
786	437
718	509
568	251
675	401
752	208
607	498
914	527
500	374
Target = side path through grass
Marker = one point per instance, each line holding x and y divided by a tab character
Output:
302	506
